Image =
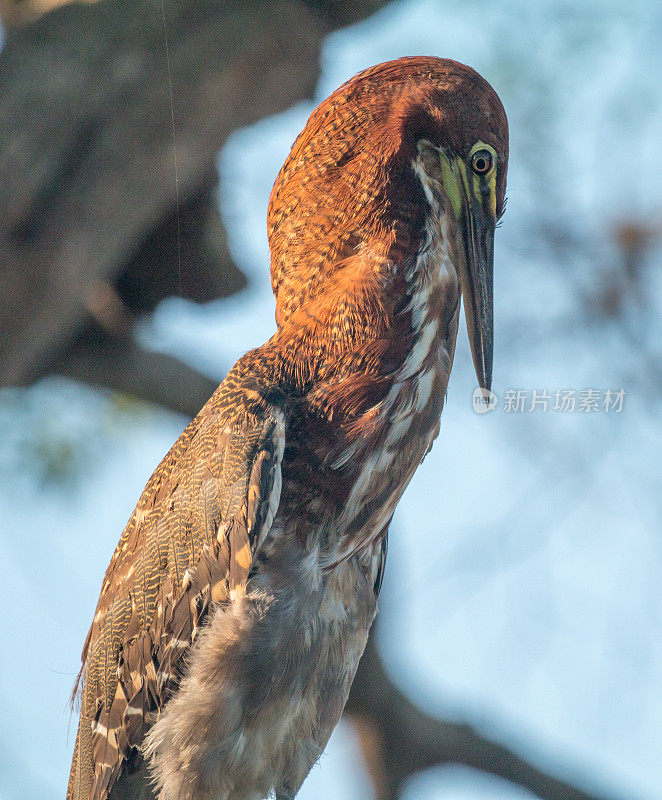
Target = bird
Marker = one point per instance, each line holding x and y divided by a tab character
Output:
238	602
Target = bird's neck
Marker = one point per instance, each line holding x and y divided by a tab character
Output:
378	325
356	326
384	399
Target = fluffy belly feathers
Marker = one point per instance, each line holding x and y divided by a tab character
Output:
266	682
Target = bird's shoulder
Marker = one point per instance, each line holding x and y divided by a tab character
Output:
185	493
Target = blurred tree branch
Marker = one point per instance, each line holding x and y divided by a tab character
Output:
119	363
94	117
399	740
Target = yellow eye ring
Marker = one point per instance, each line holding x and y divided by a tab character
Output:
481	162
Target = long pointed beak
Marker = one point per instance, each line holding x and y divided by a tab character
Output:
476	277
475	218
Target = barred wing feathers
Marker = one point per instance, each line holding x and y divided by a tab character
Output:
188	544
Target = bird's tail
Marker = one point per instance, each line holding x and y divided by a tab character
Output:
81	775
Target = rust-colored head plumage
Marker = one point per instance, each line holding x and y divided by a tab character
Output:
349	182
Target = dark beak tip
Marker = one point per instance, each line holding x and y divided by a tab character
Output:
485	382
482	354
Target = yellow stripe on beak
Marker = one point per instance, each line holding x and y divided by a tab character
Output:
452	182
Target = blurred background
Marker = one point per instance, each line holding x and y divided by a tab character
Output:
518	650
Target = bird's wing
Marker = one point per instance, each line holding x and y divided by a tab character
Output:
188	544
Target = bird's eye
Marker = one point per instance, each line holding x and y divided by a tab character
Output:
481	162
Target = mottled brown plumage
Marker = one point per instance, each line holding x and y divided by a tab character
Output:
238	602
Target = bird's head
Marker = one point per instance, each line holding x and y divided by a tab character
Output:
397	143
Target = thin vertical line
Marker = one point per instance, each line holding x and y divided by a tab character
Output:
174	149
